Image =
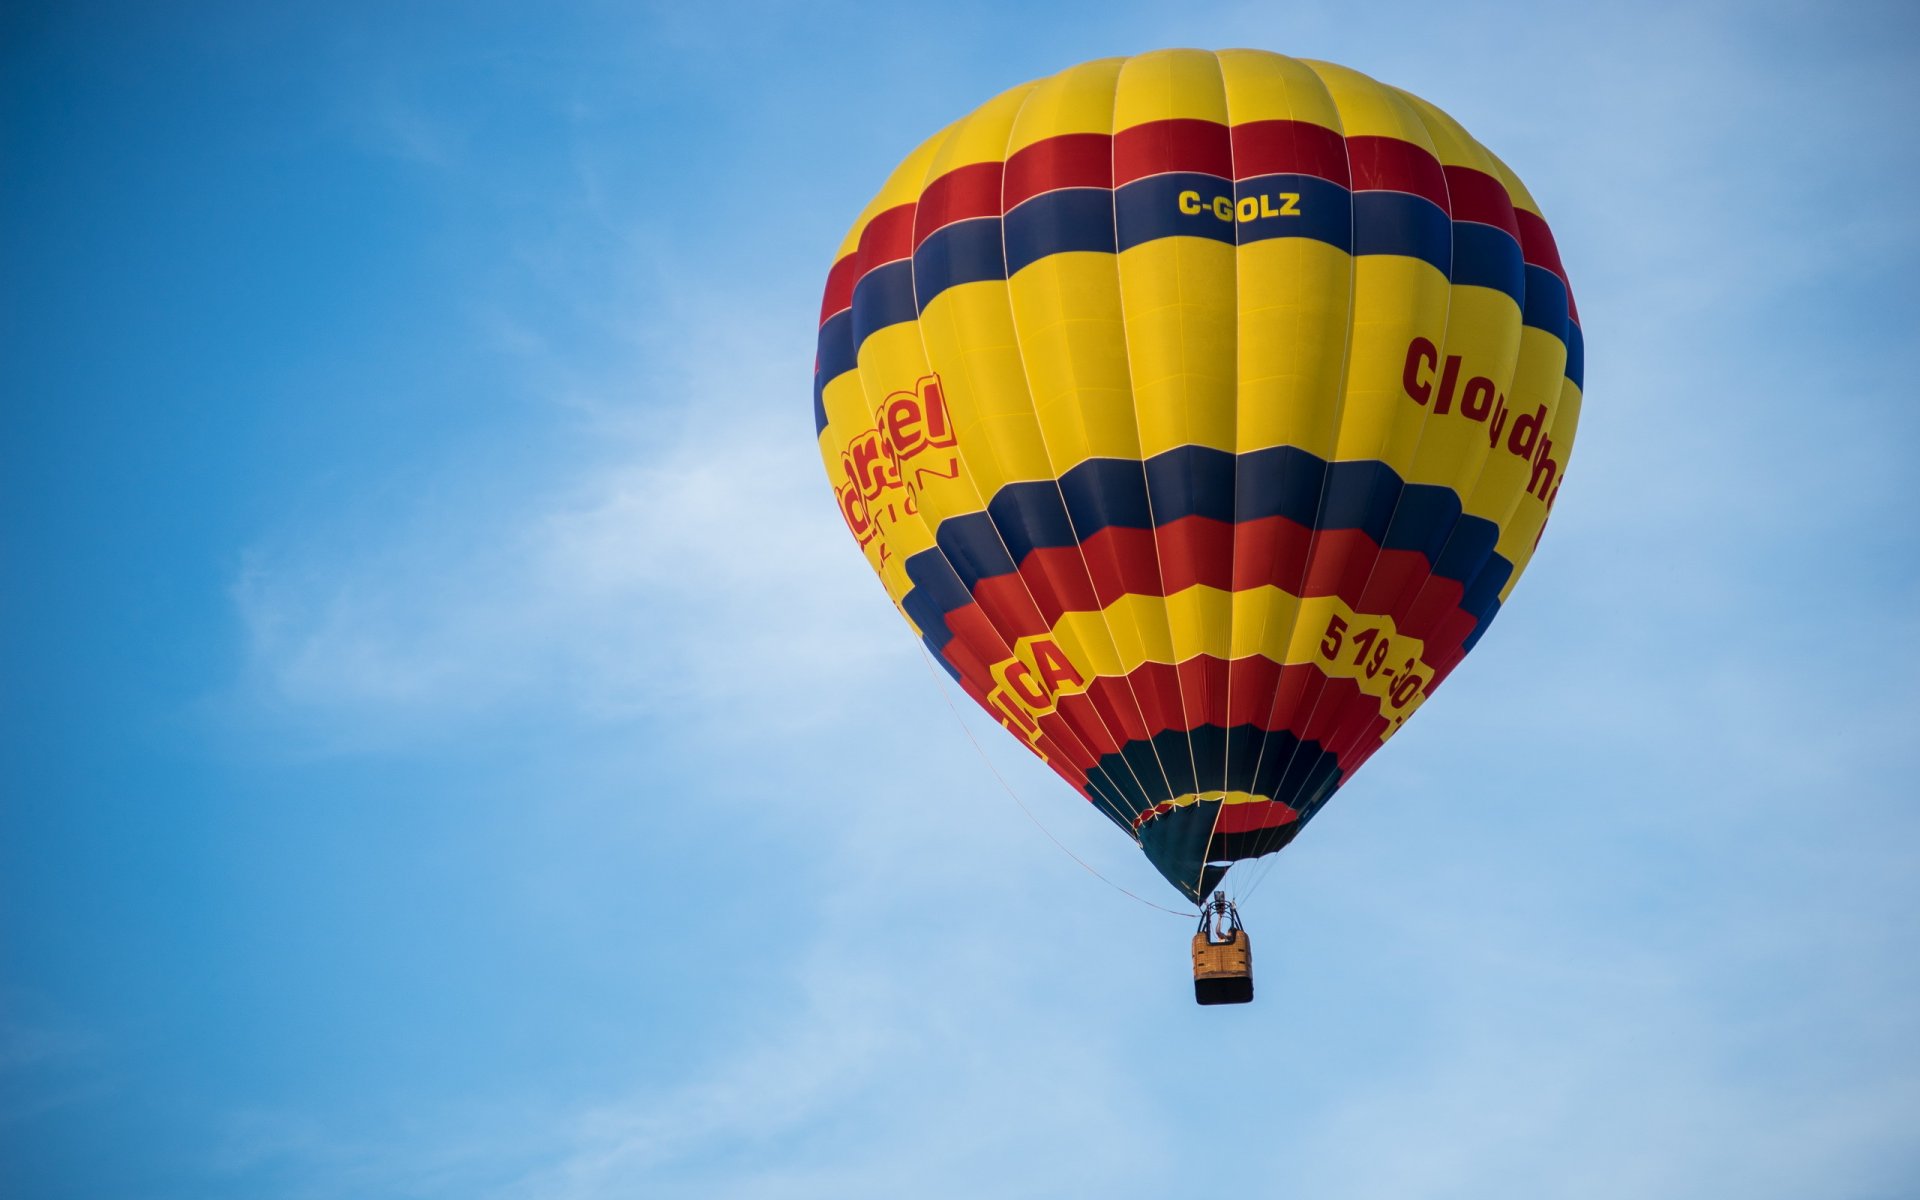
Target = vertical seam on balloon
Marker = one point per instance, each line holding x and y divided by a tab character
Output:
1106	625
994	770
1560	402
1321	696
1133	395
1353	742
1118	736
879	389
1338	744
1566	460
1233	526
1009	644
1485	464
1260	843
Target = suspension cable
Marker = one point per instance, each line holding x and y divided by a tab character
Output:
941	684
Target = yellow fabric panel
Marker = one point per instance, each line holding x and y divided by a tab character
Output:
892	359
1367	107
980	136
1468	385
1538	379
1521	536
969	336
1516	190
1263	86
1066	310
1452	145
1167	84
887	533
1295	297
873	547
1077	100
899	530
1177	296
1395	300
1178	293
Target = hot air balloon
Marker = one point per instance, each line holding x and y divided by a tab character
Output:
1199	411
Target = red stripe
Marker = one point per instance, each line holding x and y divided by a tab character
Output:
1067	161
1177	144
1157	697
1537	244
1389	164
1538	247
1061	742
1298	699
1244	151
1478	196
961	194
1063	762
1120	561
1358	730
839	294
1254	816
1289	148
1080	737
887	238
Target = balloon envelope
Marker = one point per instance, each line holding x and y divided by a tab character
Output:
1199	412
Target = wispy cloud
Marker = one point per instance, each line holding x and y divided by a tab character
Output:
1607	919
681	562
48	1060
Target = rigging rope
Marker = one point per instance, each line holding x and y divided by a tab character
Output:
941	683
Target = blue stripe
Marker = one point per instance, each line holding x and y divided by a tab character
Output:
936	591
1280	481
883	297
1149	209
834	357
1468	547
1484	591
1108	492
1404	224
1093	219
940	658
1485	256
1059	222
963	252
1546	306
1325	210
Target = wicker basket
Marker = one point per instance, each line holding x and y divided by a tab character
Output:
1223	971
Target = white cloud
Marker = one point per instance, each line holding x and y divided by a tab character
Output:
1626	981
688	563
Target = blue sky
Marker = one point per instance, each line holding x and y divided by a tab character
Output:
394	805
